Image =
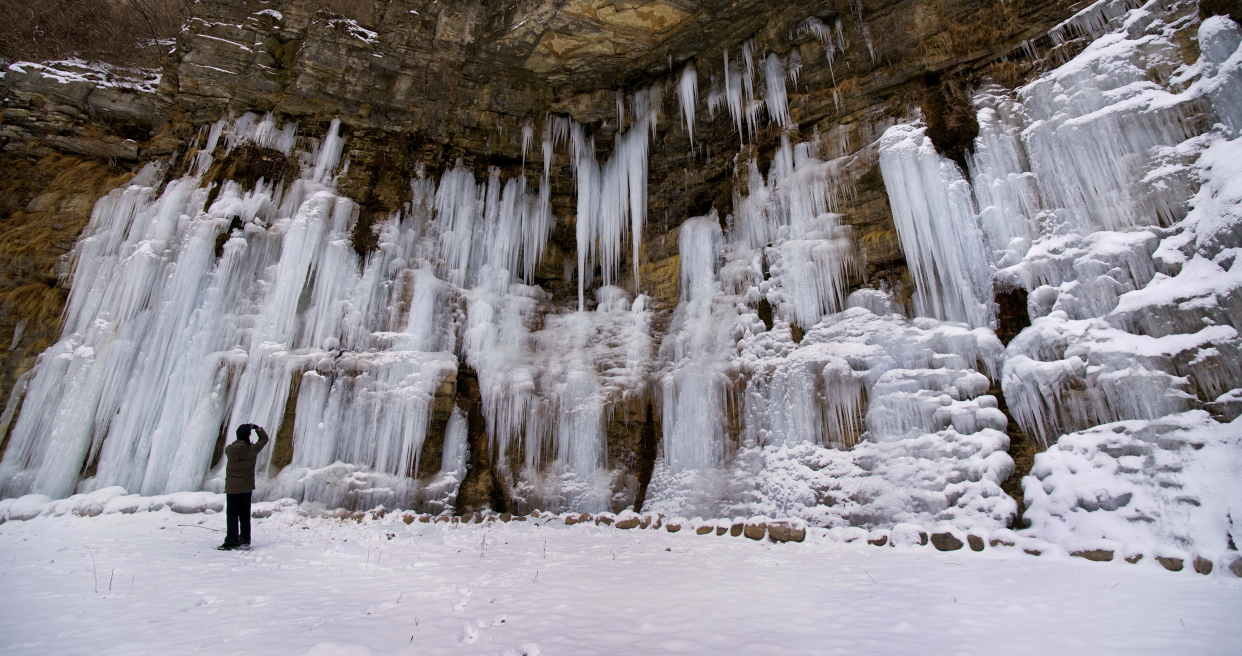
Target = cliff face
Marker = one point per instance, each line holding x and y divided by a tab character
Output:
420	85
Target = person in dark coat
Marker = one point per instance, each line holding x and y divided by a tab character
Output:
239	484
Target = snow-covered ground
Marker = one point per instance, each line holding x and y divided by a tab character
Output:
152	583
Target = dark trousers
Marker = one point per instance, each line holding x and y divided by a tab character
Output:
237	509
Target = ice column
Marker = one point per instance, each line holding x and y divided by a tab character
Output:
1004	187
694	392
934	211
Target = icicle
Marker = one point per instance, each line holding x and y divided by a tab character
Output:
261	132
1092	20
613	196
687	96
862	28
459	206
716	99
777	102
753	107
733	93
329	154
528	134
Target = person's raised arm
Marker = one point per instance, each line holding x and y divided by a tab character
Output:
262	438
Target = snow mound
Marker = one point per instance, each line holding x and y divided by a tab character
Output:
1139	485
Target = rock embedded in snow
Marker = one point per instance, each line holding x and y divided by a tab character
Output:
1170	563
946	541
755	530
908	535
786	531
1097	555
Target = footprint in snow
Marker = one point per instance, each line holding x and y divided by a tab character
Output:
461	605
495	620
527	649
470	630
370	610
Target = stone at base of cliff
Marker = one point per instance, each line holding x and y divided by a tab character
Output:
786	532
1236	567
755	531
736	530
506	517
946	542
1002	538
672	527
879	542
975	542
632	522
1097	555
705	529
408	519
1134	558
1171	564
907	535
1203	565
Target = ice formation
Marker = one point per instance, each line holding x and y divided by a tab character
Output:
1131	280
1106	190
612	196
688	96
938	226
739	91
774	94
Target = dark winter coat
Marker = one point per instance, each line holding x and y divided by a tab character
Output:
239	471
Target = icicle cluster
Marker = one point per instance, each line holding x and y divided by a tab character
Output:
938	226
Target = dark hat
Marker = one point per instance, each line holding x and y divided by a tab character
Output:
243	432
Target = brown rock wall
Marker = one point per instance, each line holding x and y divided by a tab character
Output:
424	83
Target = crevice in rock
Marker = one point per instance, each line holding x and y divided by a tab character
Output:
282	447
646	457
1012	315
951	123
1023	454
481	489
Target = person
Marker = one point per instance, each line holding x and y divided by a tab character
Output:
239	484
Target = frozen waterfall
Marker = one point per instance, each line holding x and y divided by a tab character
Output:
781	380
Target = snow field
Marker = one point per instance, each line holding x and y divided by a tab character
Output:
150	583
